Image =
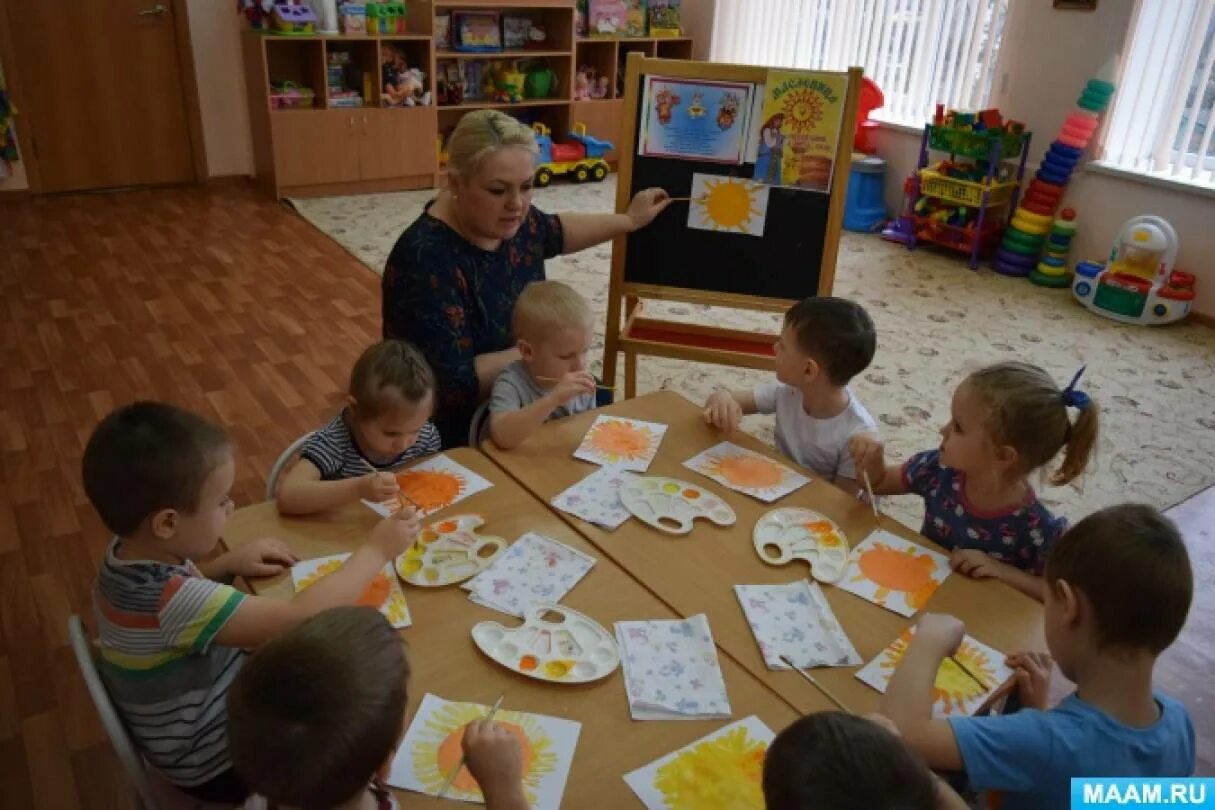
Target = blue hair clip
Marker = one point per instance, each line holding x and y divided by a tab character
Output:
1073	398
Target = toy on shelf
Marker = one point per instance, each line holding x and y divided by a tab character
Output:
403	86
290	96
540	81
1021	252
1051	270
386	18
442	30
664	19
537	37
514	31
290	19
871	99
599	89
963	204
504	84
616	18
476	31
583	80
1138	284
581	156
338	72
256	12
352	18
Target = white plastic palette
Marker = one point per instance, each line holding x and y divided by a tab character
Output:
788	534
670	505
553	644
449	551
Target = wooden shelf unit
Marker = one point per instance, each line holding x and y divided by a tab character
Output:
333	149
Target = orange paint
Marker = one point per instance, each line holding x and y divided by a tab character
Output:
691	494
528	662
747	471
447	526
450	751
820	526
377	592
430	489
896	570
619	440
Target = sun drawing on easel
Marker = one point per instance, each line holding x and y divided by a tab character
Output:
438	751
431	490
726	771
895	570
952	687
729	204
617	441
803	110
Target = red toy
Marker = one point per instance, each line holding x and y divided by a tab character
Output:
870	100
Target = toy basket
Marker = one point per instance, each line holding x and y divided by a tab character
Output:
975	145
290	96
964	192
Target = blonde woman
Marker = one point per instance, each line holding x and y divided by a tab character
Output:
453	276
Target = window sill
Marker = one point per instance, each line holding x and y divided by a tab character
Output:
1167	183
896	127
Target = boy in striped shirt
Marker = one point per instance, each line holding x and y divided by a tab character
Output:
172	635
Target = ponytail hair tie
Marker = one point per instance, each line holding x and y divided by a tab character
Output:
1073	398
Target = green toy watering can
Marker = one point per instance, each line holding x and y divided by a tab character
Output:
540	83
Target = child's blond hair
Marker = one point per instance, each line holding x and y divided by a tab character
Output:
548	305
482	132
1027	411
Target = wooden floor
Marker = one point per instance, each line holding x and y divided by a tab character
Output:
224	302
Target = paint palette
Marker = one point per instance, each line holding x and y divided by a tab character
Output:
788	534
553	644
671	505
449	551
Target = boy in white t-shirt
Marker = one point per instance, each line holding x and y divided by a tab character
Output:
824	343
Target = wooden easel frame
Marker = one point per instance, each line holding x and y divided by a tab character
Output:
707	344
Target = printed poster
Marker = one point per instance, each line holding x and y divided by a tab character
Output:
799	129
693	119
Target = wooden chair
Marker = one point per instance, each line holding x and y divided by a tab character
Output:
281	463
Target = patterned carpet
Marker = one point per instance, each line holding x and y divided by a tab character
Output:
936	320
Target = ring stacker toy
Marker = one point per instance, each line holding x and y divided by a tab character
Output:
449	551
790	533
570	648
670	505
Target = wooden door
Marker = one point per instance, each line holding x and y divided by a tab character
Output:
103	93
397	143
315	146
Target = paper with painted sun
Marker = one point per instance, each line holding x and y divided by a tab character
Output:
724	769
795	620
953	692
746	471
431	749
627	444
383	592
729	204
434	484
894	572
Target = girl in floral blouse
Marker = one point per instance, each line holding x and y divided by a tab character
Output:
1008	420
453	277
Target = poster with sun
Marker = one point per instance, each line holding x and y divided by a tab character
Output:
746	471
724	769
431	749
954	692
894	572
730	204
383	593
694	119
435	484
626	444
798	130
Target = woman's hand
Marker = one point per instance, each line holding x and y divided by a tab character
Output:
648	204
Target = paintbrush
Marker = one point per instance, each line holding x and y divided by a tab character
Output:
400	492
687	199
558	379
451	777
872	497
969	674
839	703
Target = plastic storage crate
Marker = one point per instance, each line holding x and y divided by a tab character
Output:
975	145
964	192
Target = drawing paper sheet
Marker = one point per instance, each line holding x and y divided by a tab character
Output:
431	749
746	471
533	569
795	620
671	670
596	498
894	572
382	593
954	692
721	770
730	204
629	444
434	484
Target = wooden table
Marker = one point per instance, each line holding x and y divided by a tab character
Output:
696	573
445	661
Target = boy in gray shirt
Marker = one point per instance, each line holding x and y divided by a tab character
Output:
552	325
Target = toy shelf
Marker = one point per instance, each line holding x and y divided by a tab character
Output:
514	54
503	105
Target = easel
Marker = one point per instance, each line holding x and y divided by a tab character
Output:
695	342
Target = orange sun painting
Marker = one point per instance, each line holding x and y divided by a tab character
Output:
745	471
432	485
724	769
954	692
432	749
732	204
383	593
628	443
895	573
803	109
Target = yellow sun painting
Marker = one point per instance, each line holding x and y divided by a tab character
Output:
723	771
731	204
436	751
954	691
803	109
382	593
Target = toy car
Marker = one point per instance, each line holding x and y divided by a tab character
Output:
582	156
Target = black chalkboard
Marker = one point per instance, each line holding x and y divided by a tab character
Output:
783	263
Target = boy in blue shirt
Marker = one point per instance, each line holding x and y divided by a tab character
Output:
1118	588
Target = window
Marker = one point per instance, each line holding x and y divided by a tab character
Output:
1160	121
919	52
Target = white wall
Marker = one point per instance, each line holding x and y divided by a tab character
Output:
1045	59
215	32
